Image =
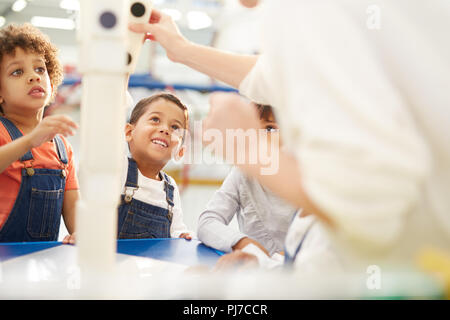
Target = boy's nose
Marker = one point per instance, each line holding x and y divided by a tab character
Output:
164	130
34	78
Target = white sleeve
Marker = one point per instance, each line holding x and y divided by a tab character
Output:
361	158
257	86
177	226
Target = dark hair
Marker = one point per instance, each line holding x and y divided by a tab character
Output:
265	111
31	39
142	106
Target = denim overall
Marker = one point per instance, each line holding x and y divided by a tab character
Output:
140	220
36	214
288	259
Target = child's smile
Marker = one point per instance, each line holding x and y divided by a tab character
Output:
160	142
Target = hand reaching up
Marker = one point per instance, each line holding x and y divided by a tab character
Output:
49	127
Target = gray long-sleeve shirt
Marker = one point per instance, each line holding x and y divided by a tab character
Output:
261	215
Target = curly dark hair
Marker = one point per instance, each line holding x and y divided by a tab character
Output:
31	39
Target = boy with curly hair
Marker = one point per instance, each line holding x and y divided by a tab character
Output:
38	182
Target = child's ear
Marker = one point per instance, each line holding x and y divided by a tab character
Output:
180	153
128	131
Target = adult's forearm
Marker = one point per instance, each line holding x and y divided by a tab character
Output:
221	65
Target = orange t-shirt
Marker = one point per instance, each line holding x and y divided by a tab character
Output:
45	156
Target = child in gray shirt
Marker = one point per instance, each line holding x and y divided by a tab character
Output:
263	218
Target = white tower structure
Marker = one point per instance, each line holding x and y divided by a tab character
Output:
108	54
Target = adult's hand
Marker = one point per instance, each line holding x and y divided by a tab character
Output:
220	65
241	244
163	29
236	260
249	3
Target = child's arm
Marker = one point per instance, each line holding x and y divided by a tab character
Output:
14	150
70	199
44	131
177	228
213	225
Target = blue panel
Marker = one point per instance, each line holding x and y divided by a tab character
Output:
180	251
187	252
147	81
17	249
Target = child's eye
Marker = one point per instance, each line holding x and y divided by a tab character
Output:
271	129
155	119
17	72
175	127
40	70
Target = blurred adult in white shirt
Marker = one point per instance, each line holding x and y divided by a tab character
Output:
363	95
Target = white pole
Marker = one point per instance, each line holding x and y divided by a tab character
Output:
108	53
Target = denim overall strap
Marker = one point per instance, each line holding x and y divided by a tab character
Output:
288	259
140	220
15	133
168	188
36	214
132	174
131	185
61	149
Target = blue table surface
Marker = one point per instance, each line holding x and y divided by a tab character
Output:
180	251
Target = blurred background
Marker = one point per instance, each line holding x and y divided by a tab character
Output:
223	24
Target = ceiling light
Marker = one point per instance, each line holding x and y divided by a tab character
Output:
19	5
2	21
198	20
71	5
54	23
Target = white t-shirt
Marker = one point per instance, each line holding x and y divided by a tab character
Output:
152	192
363	103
